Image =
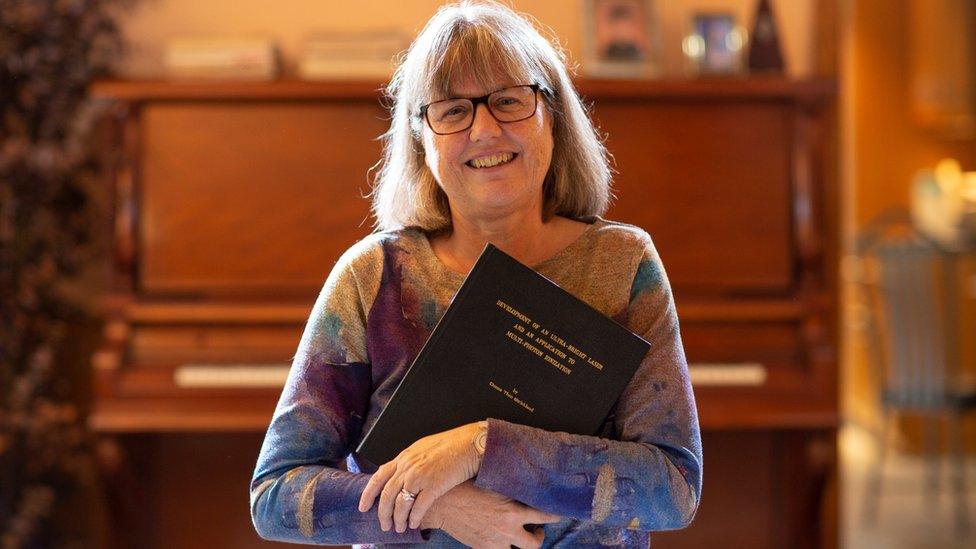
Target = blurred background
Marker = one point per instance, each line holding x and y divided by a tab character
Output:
177	179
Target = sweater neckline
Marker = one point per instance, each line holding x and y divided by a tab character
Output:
430	259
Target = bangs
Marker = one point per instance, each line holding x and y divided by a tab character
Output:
478	52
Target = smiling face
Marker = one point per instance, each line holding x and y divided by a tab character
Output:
492	169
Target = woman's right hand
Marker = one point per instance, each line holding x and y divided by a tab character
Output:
482	518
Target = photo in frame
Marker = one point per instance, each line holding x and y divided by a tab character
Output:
620	39
715	44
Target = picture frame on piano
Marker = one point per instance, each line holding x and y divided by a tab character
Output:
621	39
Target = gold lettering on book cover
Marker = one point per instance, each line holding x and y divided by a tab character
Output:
513	395
540	341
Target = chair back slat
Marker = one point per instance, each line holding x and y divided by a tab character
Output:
908	290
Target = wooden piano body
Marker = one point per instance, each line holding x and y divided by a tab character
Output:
232	202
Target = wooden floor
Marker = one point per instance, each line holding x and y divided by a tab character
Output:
908	517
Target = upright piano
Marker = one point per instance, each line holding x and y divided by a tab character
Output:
232	202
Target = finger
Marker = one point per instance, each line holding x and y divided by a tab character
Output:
375	484
387	499
401	511
535	516
421	505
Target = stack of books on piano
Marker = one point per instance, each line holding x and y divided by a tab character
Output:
236	58
344	55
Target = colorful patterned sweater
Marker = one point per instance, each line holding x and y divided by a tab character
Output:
377	308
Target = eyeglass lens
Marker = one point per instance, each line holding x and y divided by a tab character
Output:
506	105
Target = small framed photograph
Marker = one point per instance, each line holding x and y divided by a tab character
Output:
715	44
620	39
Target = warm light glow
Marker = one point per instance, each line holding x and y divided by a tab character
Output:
968	191
693	45
735	39
948	174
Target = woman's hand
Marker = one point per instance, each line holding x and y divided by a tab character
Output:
482	518
427	468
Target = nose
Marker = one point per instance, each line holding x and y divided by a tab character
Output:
484	124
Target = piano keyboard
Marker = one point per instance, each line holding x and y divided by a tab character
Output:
738	374
254	376
190	376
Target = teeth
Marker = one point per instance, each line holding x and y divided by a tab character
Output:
494	160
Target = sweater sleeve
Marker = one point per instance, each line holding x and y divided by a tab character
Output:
648	476
298	492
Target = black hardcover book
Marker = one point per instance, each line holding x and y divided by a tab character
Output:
512	345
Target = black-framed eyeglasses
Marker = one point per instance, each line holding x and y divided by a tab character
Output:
456	114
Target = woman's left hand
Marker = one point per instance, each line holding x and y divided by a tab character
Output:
427	468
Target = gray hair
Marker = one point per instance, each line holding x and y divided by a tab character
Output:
484	40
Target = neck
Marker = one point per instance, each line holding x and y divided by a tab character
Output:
521	235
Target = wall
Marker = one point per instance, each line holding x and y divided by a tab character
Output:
889	147
150	22
882	148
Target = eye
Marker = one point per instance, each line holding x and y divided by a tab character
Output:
508	103
451	111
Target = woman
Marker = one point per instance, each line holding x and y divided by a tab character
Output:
488	143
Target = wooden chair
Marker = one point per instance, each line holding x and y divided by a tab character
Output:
912	291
